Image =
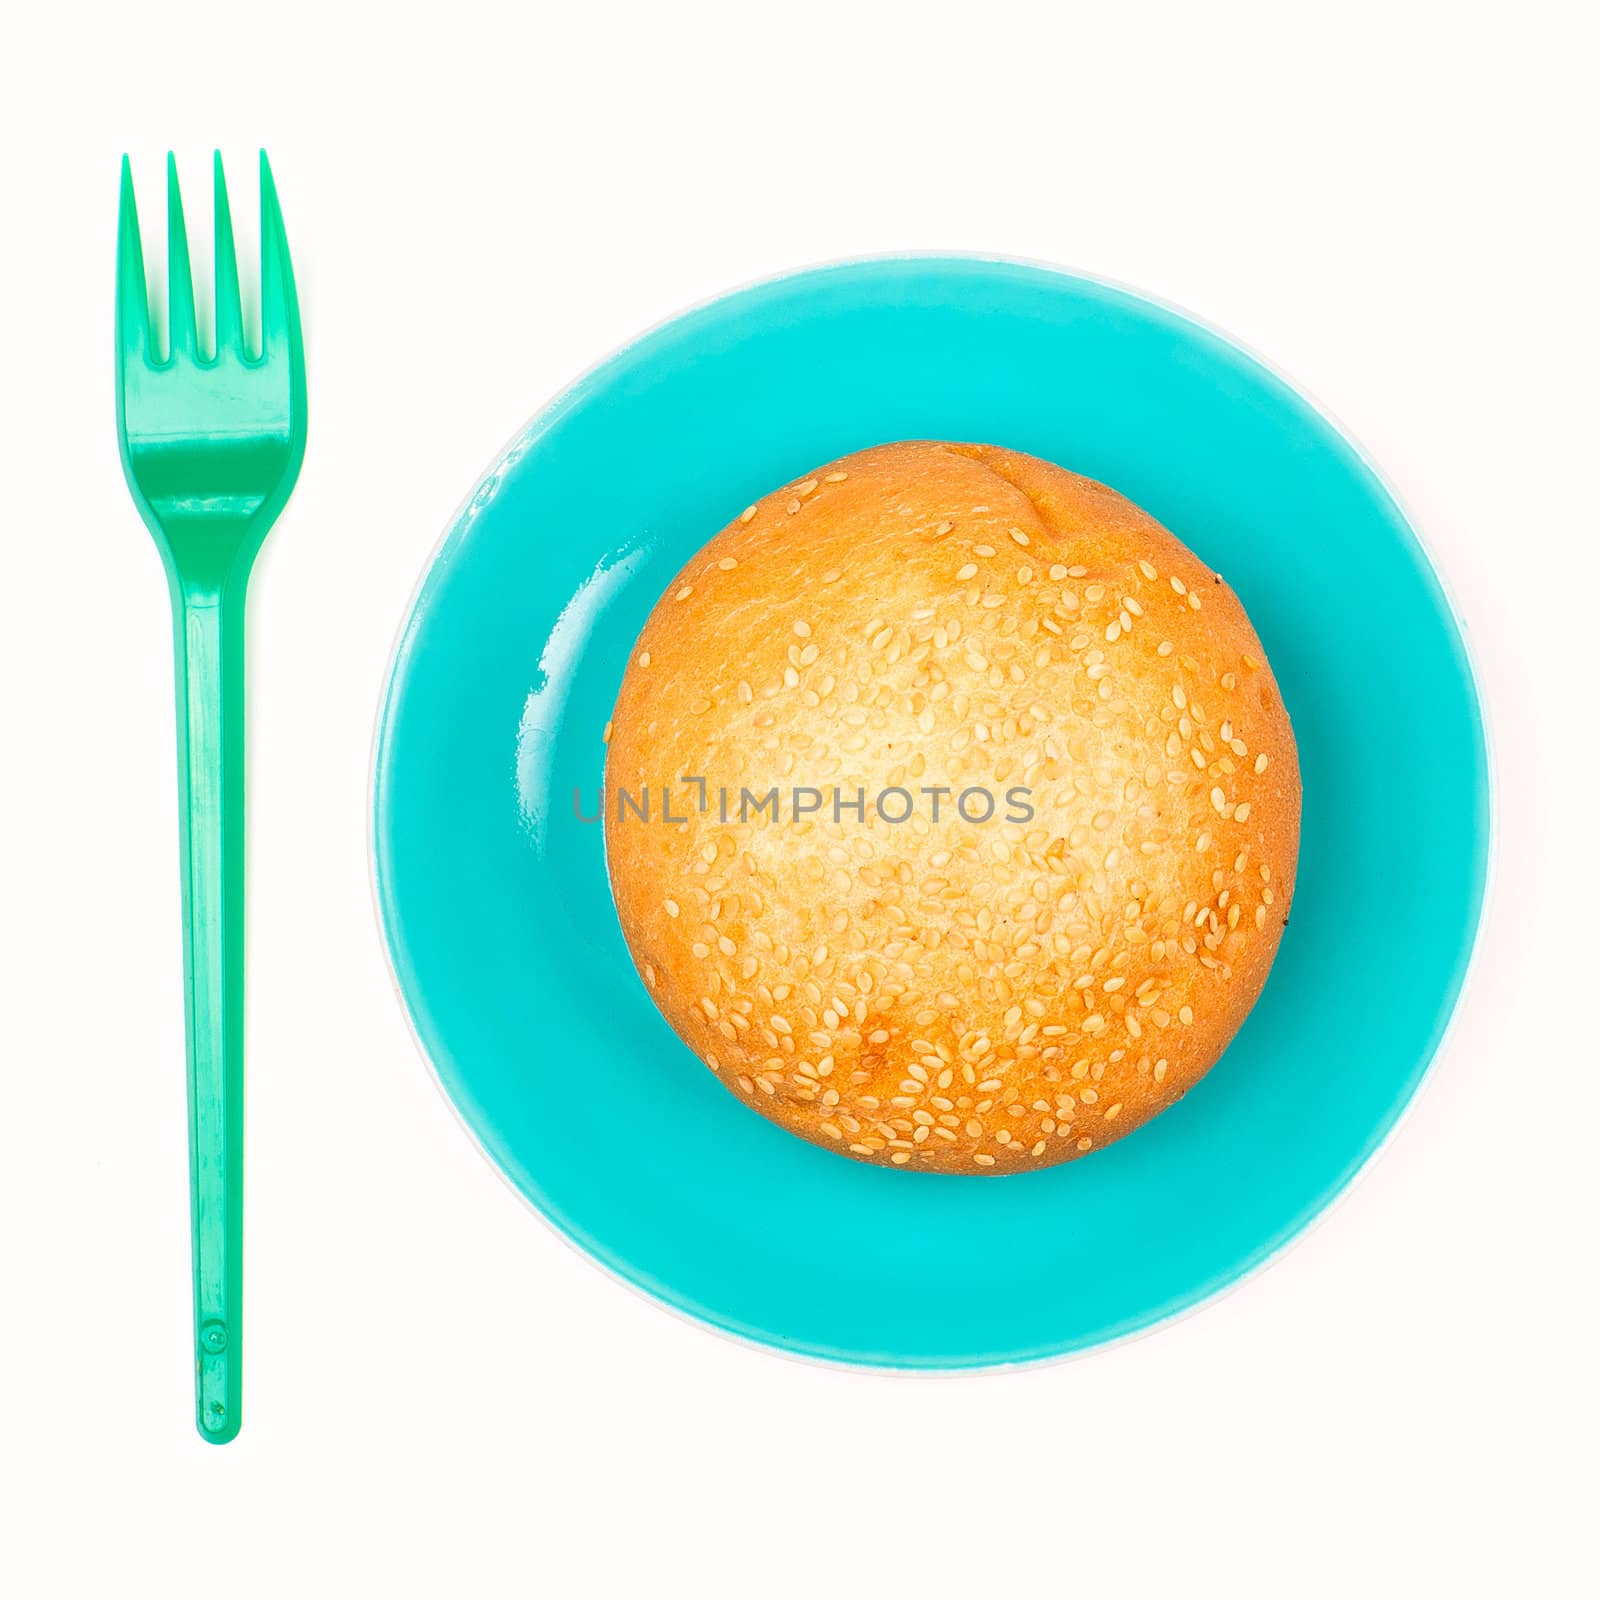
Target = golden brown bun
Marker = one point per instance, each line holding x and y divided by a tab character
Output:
952	995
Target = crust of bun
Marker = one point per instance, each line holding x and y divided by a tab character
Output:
952	995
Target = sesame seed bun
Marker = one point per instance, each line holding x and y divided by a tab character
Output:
953	995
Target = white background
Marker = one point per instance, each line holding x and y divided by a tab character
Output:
442	1398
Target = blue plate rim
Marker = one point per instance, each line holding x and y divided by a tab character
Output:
1228	1279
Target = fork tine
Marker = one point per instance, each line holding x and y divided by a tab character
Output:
133	303
180	283
229	318
280	311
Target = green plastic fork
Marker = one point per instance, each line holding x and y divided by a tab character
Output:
211	445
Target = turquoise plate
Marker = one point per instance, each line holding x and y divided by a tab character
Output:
493	894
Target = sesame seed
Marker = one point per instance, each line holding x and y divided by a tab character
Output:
1147	570
644	658
684	592
802	628
836	477
983	549
605	737
747	513
1019	535
984	1160
808	487
671	907
792	507
727	563
968	571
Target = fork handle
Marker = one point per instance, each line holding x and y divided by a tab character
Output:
209	652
